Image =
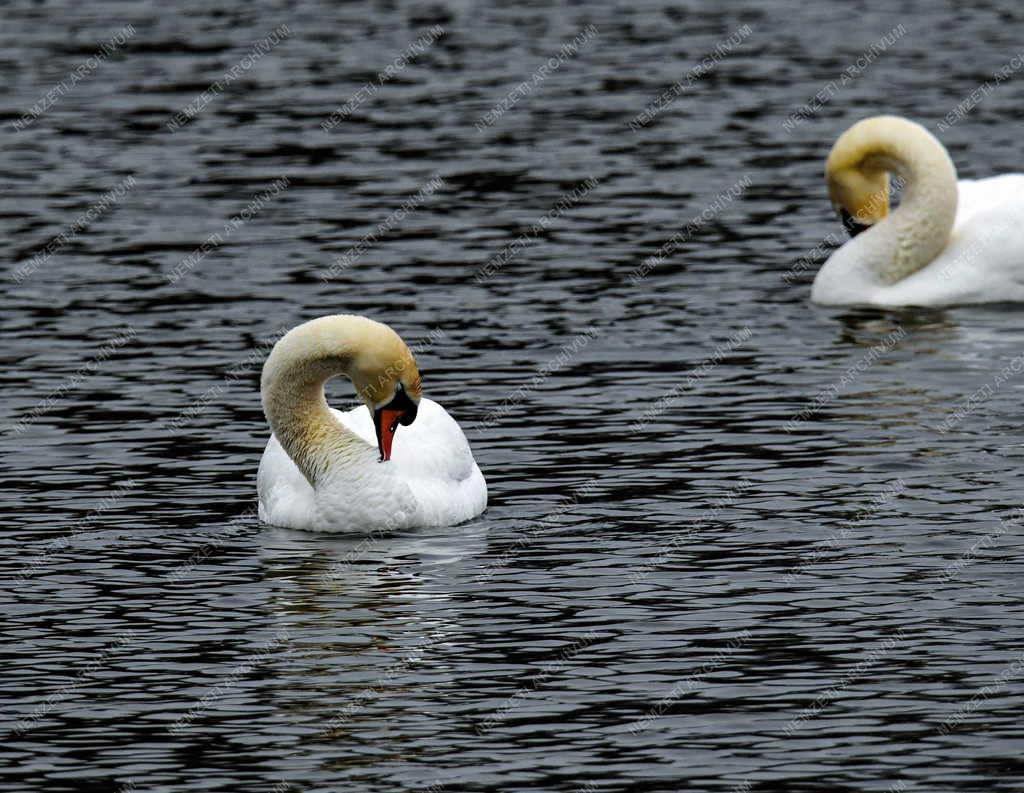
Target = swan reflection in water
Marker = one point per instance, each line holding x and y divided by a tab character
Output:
381	608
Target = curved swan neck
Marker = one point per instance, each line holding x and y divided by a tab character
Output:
292	385
369	353
918	229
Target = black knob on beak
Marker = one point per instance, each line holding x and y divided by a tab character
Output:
853	228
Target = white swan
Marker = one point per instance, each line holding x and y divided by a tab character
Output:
946	243
331	471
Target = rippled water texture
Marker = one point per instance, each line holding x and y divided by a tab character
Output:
736	542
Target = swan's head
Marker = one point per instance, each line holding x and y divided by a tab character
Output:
386	377
857	171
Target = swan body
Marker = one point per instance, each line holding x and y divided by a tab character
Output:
321	470
947	243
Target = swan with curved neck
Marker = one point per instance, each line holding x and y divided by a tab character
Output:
331	471
947	242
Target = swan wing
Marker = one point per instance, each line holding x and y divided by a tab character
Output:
984	259
980	196
432	456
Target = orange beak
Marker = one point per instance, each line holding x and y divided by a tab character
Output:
387	422
400	410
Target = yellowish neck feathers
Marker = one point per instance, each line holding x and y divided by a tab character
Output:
369	353
857	172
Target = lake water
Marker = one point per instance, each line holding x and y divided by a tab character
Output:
735	542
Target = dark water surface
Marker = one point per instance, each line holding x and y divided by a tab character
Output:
736	542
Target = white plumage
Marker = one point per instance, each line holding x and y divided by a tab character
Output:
431	480
983	262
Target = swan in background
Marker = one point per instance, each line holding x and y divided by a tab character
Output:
946	243
326	470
